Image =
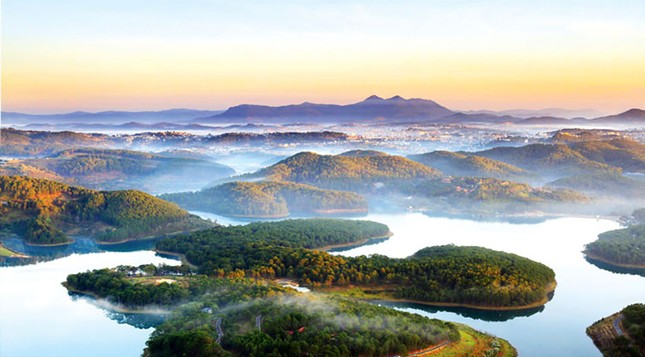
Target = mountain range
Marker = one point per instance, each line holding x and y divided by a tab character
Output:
373	109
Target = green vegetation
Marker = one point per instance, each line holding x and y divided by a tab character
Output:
268	199
23	143
622	247
244	317
625	153
341	172
603	184
119	169
41	210
458	275
612	343
461	164
551	161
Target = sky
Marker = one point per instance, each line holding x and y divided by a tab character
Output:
67	55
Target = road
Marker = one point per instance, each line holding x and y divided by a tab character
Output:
220	333
617	327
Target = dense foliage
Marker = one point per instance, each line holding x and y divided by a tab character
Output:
465	275
634	323
631	343
250	318
274	199
41	210
266	322
604	184
549	160
121	169
342	172
461	164
621	246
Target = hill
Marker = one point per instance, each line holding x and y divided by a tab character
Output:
269	199
459	275
244	317
604	185
342	172
44	212
551	161
107	169
632	116
621	247
461	164
614	341
625	153
370	109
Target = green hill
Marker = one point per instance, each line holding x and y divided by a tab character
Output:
622	247
461	164
627	154
121	169
352	173
44	212
604	185
550	161
269	199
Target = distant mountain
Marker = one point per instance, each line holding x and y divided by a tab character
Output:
536	113
373	108
632	116
107	117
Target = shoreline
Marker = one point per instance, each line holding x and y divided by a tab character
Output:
49	244
182	257
103	303
354	244
550	289
617	265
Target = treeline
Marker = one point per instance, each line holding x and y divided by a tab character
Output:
42	210
262	199
280	323
464	275
621	246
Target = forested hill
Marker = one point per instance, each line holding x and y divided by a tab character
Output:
621	247
106	169
269	199
458	275
247	317
462	164
549	160
44	212
343	172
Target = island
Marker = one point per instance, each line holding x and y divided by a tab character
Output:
238	316
46	212
621	334
460	276
623	248
269	200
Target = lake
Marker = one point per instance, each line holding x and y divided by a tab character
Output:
38	317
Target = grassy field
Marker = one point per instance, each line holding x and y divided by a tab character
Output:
475	343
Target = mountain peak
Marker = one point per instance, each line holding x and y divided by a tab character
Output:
373	98
396	97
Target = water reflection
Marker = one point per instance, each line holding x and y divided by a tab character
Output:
615	269
484	315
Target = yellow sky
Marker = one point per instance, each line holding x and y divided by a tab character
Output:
551	63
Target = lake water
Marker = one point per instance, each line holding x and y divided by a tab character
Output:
584	293
38	317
